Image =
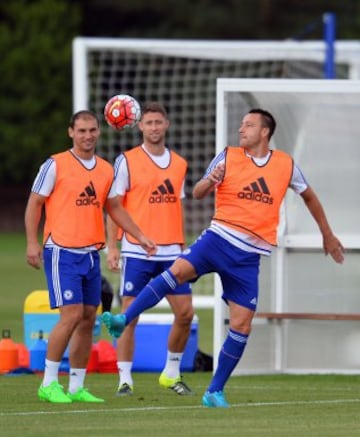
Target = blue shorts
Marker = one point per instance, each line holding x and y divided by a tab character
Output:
136	273
238	270
72	277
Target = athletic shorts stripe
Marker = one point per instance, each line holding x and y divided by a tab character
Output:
55	277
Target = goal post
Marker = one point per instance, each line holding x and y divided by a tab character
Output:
317	123
347	56
182	75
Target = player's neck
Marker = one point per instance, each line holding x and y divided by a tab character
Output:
155	149
257	152
83	154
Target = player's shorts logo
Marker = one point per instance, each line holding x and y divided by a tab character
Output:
68	294
129	286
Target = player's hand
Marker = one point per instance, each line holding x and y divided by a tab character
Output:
148	245
113	259
34	255
217	175
334	247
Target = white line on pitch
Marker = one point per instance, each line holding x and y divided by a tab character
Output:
188	407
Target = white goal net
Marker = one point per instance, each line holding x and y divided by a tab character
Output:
317	123
182	74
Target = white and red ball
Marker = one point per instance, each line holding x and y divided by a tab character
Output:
122	111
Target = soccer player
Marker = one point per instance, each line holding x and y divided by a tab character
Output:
74	187
250	183
150	183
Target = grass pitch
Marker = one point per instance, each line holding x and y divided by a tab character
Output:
271	406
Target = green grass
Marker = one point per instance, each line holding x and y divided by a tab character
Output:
18	279
271	406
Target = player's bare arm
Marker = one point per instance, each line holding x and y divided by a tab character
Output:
121	217
331	243
32	220
207	185
113	252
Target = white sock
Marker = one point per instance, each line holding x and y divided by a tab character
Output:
173	361
76	381
51	372
125	372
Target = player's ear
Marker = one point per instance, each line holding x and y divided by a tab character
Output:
265	131
70	132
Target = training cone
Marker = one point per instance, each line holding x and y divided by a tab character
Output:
93	363
9	356
24	355
107	357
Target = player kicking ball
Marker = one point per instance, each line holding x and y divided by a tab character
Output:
250	183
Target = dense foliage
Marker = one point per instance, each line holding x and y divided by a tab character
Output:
35	47
35	85
226	19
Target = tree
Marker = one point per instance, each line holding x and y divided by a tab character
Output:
35	85
35	47
214	19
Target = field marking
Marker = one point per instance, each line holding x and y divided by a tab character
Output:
188	407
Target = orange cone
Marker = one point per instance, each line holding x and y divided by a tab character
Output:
23	354
9	356
93	363
107	357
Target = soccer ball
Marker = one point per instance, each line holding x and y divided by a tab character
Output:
122	111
